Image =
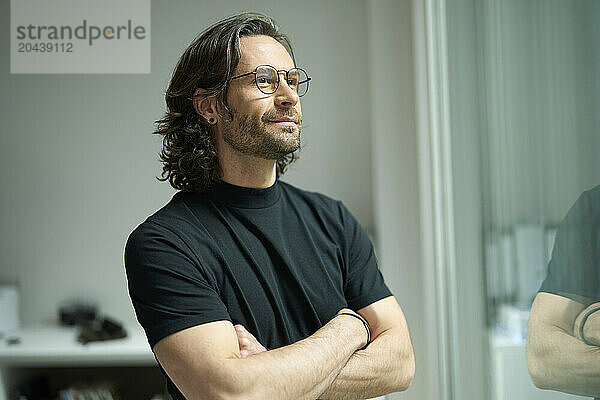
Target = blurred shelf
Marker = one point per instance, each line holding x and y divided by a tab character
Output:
504	340
53	345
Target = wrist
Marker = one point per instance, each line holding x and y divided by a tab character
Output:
590	327
588	324
363	322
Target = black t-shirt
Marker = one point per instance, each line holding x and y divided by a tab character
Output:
280	261
574	270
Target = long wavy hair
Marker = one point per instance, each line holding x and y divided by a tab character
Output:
188	153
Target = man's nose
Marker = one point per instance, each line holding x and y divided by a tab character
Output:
285	96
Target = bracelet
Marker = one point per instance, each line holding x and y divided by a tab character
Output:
365	323
583	320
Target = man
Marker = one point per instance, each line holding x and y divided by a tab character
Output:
563	346
247	287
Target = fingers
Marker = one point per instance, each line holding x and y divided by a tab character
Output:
248	344
244	332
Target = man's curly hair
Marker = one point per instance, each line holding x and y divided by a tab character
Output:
188	153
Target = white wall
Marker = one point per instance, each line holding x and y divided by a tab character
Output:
78	159
395	175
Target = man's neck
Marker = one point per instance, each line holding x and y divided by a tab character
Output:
247	171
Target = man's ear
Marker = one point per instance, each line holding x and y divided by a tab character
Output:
205	106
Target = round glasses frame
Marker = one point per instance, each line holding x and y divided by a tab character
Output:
279	71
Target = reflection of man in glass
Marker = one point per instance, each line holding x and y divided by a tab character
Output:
563	345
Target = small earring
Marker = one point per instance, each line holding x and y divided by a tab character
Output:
211	120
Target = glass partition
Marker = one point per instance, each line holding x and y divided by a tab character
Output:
535	78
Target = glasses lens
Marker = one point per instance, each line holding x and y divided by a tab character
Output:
266	79
293	78
298	80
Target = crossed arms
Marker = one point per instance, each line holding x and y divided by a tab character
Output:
205	361
557	357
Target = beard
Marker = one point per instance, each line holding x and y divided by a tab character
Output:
254	136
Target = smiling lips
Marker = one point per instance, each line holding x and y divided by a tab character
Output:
285	121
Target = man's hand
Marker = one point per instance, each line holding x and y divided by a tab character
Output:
591	329
248	344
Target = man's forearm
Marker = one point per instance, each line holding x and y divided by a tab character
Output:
559	361
302	370
386	365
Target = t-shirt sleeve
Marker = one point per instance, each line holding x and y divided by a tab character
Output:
167	287
364	283
573	269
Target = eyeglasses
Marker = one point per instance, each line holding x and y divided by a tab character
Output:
266	78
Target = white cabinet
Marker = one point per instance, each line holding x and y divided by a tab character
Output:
53	351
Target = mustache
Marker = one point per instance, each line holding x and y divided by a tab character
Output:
274	114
